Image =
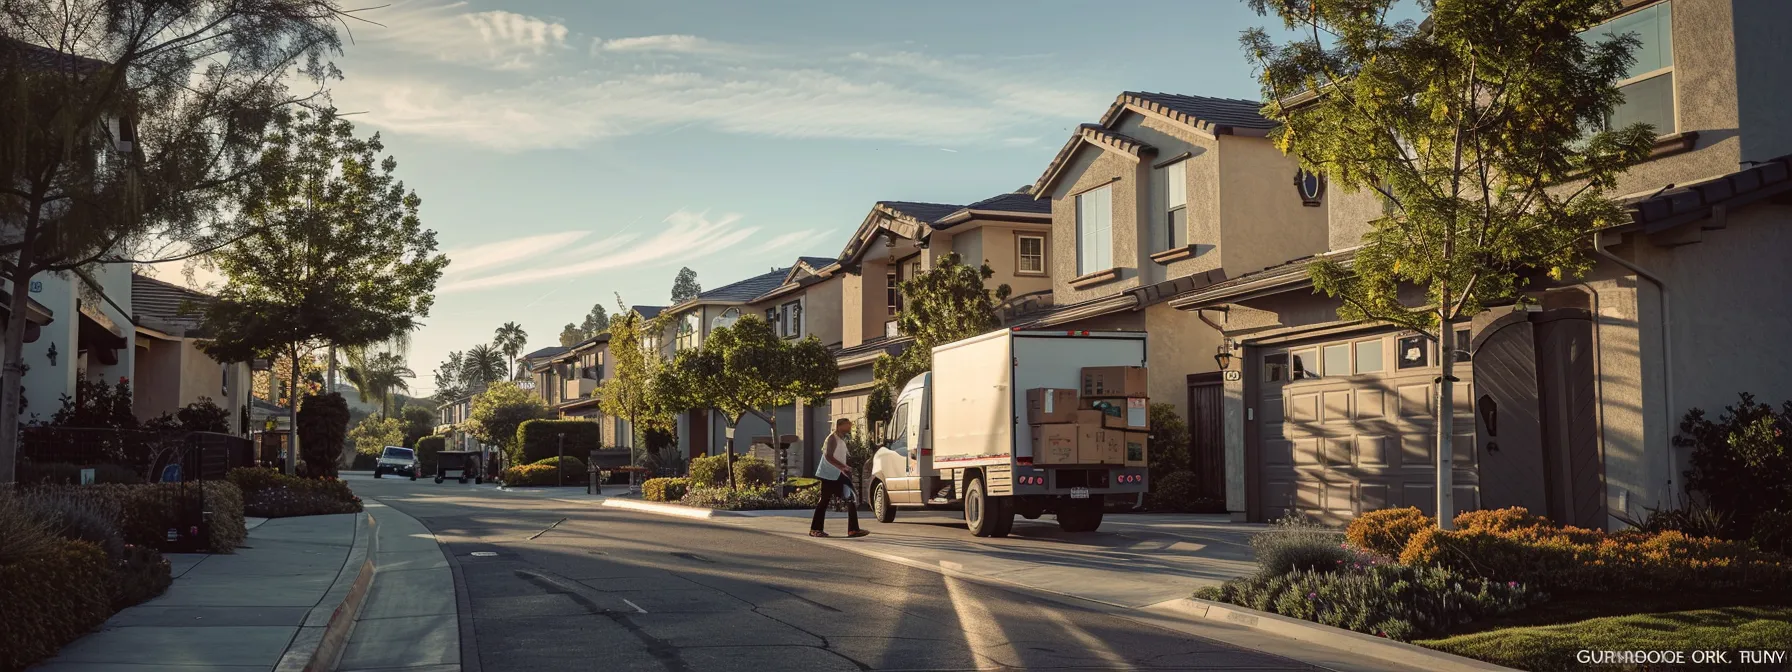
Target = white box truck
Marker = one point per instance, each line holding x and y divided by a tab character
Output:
959	434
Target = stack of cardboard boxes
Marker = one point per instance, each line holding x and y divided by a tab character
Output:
1102	423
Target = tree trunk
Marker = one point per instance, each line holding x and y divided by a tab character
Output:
13	374
1446	417
292	453
331	377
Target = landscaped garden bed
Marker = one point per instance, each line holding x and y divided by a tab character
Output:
708	487
267	493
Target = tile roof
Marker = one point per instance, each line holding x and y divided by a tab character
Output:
924	212
745	290
1203	110
1017	201
648	312
1681	204
165	305
47	59
816	262
549	351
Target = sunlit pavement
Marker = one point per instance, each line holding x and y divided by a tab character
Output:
570	585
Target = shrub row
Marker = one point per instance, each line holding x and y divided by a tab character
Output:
427	448
271	494
546	472
542	439
749	471
145	513
1516	545
1393	601
63	473
750	498
665	489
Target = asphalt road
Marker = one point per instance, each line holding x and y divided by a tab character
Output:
554	585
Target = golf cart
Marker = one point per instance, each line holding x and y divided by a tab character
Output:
467	462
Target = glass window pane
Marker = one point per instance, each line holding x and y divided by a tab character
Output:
1368	356
1176	184
1414	352
1650	101
1463	345
1337	360
1094	211
1302	366
1178	233
1653	27
1275	368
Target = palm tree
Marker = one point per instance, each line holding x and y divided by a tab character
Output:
510	340
482	365
378	378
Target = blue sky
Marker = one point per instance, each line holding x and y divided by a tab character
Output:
569	151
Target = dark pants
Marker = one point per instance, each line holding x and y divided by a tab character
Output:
830	490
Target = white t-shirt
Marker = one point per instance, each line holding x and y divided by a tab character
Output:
835	447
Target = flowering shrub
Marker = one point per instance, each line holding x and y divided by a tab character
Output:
1387	531
1295	543
1393	601
750	499
271	494
1514	545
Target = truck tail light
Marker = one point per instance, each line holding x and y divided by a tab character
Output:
1024	460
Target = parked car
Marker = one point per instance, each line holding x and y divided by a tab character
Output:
397	461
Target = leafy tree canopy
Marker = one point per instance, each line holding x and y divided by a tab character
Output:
418	422
946	303
685	287
375	433
748	368
499	410
629	392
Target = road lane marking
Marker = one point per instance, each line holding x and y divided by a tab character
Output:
636	606
547	529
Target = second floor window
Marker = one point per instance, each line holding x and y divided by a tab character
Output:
1031	252
687	332
1094	230
791	324
1175	204
891	295
1648	86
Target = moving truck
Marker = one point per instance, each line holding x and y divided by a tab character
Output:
959	435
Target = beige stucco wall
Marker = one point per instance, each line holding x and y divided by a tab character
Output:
998	246
1262	220
863	309
155	386
1091	168
1348	214
1177	344
823	309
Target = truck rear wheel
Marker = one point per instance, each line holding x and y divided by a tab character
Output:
880	503
1080	515
987	516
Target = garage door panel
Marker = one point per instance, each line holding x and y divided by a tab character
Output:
1337	451
1371	451
1303	408
1278	453
1416	449
1464	403
1373	496
1415	401
1468	497
1337	407
1306	451
1309	493
1462	451
1422	495
1370	404
1340	498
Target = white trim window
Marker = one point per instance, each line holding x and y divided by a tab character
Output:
790	322
687	332
892	297
1174	178
1648	86
1095	230
1029	250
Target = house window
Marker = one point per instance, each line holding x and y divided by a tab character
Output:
1031	250
890	293
597	368
1094	230
1414	352
1337	360
1648	86
792	324
1275	368
1301	366
1175	195
1368	356
687	332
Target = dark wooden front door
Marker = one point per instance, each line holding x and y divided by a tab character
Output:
1507	428
1206	429
1568	403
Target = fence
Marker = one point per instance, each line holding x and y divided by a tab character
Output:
79	455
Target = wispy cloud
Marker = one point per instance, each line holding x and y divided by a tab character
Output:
539	95
466	260
795	241
685	236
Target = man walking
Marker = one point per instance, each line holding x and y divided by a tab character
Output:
834	481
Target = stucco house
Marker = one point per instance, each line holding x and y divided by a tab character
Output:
171	370
687	324
1568	408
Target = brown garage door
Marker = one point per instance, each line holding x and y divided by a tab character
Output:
1347	426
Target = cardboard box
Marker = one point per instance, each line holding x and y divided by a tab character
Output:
1056	444
1114	381
1090	442
1136	454
1132	413
1046	406
1110	447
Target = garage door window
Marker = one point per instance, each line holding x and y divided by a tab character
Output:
1275	368
1368	356
1302	365
1337	360
1414	352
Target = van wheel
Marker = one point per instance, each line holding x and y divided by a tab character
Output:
376	473
438	479
1083	516
880	503
987	516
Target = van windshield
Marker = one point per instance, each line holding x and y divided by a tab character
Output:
397	453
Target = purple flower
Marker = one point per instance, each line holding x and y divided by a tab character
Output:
1312	596
1511	584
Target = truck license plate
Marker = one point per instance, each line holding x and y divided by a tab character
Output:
1079	493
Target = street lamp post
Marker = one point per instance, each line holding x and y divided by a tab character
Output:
560	464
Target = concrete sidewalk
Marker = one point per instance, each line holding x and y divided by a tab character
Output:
410	621
226	612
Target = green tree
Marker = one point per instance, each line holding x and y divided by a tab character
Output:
596	322
748	368
321	427
946	303
448	379
126	126
570	335
510	340
1480	132
337	256
482	365
379	379
373	434
418	422
685	287
498	411
629	392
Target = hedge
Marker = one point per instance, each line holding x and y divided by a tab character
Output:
540	439
147	512
63	473
271	494
665	489
753	472
52	599
709	471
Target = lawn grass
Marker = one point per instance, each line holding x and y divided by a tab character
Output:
1572	607
1553	647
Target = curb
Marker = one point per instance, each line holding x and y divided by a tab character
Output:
319	644
667	509
1323	635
